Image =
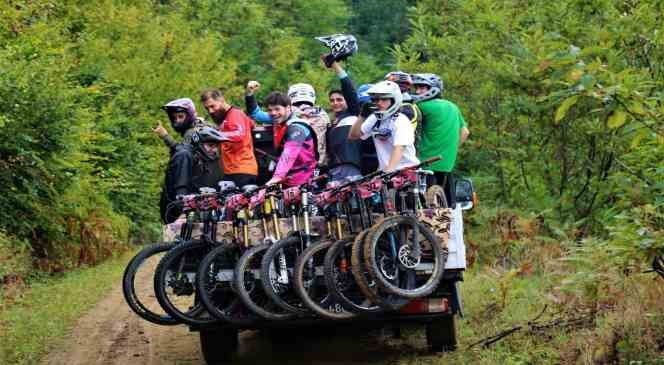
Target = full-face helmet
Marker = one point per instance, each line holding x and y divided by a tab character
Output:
433	81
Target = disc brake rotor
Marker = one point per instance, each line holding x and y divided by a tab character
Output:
387	268
406	258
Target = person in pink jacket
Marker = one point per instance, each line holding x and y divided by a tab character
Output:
295	140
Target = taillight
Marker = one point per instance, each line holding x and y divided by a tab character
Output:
437	305
426	305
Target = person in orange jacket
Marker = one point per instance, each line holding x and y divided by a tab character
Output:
237	147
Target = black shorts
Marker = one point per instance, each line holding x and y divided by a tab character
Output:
241	180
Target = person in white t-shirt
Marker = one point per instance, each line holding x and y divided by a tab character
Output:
393	133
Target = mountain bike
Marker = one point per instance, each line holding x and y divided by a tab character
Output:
216	271
310	281
400	249
175	277
139	296
279	260
247	278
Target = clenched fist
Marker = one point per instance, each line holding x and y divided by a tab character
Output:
252	87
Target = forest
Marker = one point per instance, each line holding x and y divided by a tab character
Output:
564	101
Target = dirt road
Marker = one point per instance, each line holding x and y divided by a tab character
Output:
111	334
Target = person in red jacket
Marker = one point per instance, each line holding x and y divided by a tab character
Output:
237	147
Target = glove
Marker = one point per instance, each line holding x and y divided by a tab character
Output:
328	59
367	109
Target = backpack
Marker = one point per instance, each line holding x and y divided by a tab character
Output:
313	135
319	121
414	114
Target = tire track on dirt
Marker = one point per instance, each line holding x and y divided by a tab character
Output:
111	334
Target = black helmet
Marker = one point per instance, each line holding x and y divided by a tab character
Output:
341	47
205	135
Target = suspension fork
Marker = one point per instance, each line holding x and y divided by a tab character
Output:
349	216
415	244
266	231
343	262
213	230
244	224
364	208
305	214
260	214
307	231
330	214
356	196
388	204
236	229
283	266
388	209
187	227
337	226
275	218
204	217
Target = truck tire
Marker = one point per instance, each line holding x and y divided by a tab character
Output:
442	334
218	346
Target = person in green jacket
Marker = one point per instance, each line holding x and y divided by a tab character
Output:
443	130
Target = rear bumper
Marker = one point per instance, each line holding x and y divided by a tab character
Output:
372	321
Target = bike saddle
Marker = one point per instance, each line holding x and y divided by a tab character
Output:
226	185
206	190
333	184
354	178
249	188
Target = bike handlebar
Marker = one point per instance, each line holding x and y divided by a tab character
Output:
384	175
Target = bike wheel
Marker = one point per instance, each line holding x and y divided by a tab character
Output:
310	283
340	281
140	294
175	283
366	283
247	283
392	258
277	269
214	284
435	197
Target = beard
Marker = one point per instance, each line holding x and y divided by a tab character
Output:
219	116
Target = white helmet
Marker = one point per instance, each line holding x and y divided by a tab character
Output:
386	90
299	93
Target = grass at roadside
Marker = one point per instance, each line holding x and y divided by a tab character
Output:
485	315
48	308
628	325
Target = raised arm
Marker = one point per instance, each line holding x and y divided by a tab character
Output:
169	141
347	89
253	110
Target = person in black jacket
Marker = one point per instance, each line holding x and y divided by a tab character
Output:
188	170
344	157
